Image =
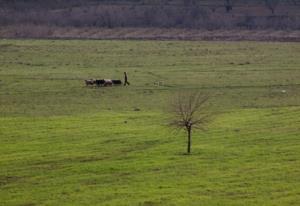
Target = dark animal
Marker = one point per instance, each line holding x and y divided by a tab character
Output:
100	82
89	82
116	82
103	82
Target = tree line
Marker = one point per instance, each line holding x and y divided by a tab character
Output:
215	14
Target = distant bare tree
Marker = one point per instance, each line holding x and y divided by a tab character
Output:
228	5
271	5
295	2
189	2
189	114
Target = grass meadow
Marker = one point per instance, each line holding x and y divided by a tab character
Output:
63	143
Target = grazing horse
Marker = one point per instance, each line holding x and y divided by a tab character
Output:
89	82
116	82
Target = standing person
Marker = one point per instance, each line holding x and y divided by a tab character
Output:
125	79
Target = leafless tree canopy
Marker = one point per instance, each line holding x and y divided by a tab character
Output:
189	113
196	14
272	4
187	110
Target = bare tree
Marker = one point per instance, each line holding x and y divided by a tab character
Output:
189	2
228	5
295	2
189	114
271	5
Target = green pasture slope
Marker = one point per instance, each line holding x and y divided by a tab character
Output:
63	143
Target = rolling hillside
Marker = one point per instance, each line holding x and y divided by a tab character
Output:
63	143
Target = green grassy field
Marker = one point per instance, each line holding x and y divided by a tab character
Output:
63	143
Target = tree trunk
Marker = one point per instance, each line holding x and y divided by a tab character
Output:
189	140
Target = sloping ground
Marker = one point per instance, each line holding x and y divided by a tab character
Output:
247	157
29	31
63	143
